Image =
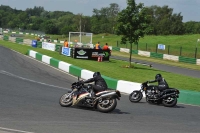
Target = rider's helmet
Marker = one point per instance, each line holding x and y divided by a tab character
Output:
158	76
96	74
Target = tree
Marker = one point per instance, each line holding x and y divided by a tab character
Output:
133	23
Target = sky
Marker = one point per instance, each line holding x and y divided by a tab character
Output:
189	9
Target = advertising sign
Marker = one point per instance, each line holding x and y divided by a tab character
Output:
91	54
66	51
161	46
49	46
34	43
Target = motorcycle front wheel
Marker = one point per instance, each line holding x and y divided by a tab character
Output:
107	105
135	96
65	100
169	101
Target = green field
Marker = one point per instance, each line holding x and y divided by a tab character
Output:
179	45
116	69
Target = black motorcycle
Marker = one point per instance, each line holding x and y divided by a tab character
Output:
104	101
167	97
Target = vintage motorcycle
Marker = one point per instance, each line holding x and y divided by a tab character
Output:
167	97
104	101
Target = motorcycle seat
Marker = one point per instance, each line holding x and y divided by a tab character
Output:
169	90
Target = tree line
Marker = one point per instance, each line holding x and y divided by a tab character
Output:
162	20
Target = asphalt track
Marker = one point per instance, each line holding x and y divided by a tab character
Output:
164	67
29	97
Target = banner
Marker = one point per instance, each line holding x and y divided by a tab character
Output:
91	54
161	46
66	51
49	46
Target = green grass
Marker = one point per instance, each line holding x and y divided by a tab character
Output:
115	68
173	43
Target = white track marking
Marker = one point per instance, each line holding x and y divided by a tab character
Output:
12	75
13	130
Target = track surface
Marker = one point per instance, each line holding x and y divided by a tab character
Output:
164	67
29	98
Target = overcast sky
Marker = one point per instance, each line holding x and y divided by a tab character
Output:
189	9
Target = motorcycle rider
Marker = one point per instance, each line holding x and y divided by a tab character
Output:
99	85
162	84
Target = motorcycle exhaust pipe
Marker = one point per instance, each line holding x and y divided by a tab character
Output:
166	95
107	95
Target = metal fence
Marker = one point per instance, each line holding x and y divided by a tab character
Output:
187	51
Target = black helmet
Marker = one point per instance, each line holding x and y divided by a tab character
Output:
96	74
158	76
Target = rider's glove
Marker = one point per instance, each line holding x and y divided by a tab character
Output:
81	82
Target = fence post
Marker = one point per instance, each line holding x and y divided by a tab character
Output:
117	43
146	46
168	48
137	46
180	50
156	48
195	56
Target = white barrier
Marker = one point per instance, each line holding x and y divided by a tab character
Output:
27	41
12	39
49	46
127	86
86	74
198	62
143	53
64	66
32	53
46	59
170	57
125	50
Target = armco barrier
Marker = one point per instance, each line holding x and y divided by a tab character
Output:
46	59
64	66
127	87
143	53
86	74
198	61
134	51
39	56
187	97
187	60
112	83
54	62
74	70
170	57
156	55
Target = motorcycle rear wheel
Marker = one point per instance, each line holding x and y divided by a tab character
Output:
107	105
65	100
169	102
135	96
